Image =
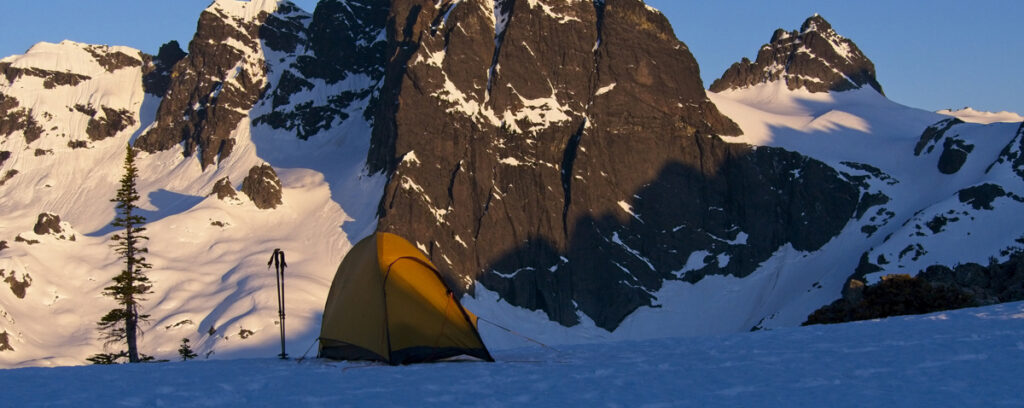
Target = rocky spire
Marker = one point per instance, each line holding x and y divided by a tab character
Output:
815	58
222	77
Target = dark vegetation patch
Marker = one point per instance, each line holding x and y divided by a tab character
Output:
934	289
895	295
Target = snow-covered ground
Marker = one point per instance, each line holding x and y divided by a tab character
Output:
963	358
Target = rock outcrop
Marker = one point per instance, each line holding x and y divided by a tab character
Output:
221	78
158	70
224	190
577	178
815	58
47	224
263	187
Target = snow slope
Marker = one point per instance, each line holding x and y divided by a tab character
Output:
211	283
210	280
963	358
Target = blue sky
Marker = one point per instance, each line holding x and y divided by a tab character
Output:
929	54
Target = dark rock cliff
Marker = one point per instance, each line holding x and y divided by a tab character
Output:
158	70
815	58
214	86
565	156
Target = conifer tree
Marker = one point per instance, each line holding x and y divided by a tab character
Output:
185	351
122	323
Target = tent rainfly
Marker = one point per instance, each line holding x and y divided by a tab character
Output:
388	303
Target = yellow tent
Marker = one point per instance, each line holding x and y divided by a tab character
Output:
388	303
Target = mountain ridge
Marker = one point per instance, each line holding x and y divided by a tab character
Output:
592	187
815	58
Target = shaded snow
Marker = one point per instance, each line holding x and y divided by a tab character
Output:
968	358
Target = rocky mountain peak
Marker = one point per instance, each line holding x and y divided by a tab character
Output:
815	58
223	76
817	23
563	153
246	9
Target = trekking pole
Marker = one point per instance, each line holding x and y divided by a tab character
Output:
277	259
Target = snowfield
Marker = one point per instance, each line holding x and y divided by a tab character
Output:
964	358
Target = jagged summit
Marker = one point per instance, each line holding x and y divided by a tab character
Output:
247	9
223	76
815	58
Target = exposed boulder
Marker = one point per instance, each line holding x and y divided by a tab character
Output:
47	224
224	190
18	287
263	187
51	225
815	58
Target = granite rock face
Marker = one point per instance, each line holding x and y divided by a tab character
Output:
213	87
815	58
158	70
564	155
